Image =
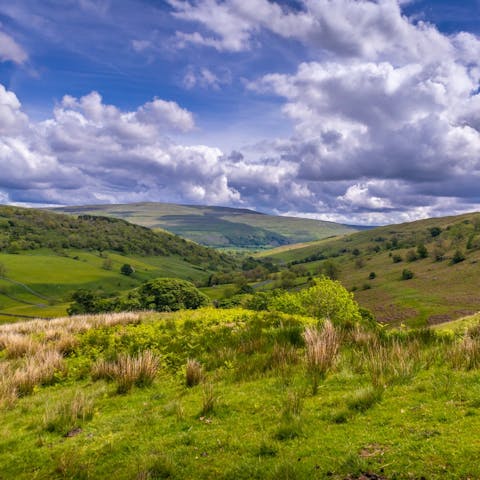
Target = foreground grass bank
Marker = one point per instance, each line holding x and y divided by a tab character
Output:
235	394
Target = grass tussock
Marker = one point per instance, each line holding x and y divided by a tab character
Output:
39	369
17	345
465	354
209	399
127	370
321	352
391	362
69	414
193	373
363	399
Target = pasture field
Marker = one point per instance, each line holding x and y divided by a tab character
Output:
40	283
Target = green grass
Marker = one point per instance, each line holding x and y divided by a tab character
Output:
56	276
264	424
439	291
219	227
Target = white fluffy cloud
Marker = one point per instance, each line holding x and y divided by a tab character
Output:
93	152
386	117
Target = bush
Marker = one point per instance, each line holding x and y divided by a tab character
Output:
397	258
326	299
127	269
422	251
458	257
372	276
407	274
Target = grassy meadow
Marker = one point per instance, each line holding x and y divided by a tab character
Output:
235	394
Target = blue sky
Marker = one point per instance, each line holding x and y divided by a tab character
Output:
360	111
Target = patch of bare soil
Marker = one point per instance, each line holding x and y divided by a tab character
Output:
448	317
366	476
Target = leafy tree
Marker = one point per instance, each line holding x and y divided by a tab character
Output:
325	299
127	269
167	294
85	301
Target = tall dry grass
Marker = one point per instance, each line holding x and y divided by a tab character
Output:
34	349
321	352
128	370
465	354
38	369
193	373
390	362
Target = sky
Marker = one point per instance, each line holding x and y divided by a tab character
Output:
356	111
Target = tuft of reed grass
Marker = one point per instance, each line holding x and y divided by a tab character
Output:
321	352
209	399
465	354
39	369
389	362
283	355
193	373
127	370
292	405
69	414
17	345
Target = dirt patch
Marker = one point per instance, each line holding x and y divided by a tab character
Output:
73	433
366	476
448	317
372	450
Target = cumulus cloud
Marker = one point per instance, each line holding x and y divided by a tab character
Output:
89	151
10	50
386	115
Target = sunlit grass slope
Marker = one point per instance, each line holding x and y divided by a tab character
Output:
228	394
371	263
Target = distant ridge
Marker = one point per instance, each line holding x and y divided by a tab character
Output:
220	227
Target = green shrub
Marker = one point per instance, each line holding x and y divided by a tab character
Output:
407	274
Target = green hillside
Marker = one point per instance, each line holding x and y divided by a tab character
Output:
444	286
45	256
229	395
219	227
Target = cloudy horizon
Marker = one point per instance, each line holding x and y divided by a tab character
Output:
355	111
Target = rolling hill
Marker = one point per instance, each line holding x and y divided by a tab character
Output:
219	227
371	263
45	256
